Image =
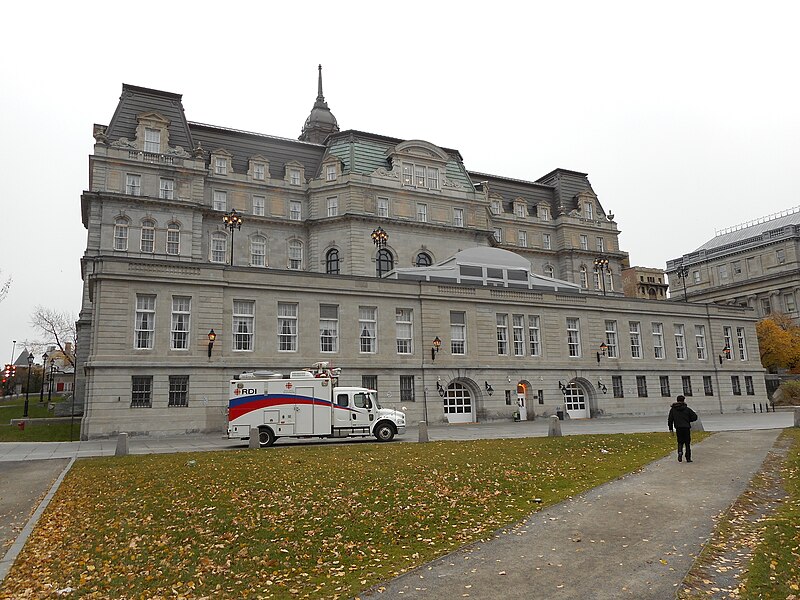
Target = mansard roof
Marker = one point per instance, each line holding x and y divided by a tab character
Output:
511	189
752	230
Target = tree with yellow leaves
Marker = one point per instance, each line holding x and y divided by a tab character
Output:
779	343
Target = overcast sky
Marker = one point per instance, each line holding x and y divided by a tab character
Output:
685	115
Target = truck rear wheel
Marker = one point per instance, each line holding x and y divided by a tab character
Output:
384	432
266	437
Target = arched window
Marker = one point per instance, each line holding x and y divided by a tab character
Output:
219	246
584	278
173	239
295	255
423	260
549	271
147	242
121	234
384	262
258	251
332	262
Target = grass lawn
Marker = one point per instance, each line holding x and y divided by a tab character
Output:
298	522
14	408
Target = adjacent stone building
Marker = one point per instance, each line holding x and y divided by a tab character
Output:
645	282
458	295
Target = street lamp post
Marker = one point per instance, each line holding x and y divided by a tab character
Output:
379	237
683	272
50	380
232	220
601	268
44	368
28	386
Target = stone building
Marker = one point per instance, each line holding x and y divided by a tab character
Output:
644	282
363	250
755	264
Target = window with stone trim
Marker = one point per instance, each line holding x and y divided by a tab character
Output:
680	342
145	322
664	383
259	204
636	339
178	390
708	386
736	385
616	385
407	388
219	247
501	326
641	386
534	335
748	385
141	391
700	341
243	326
287	326
573	337
147	241
258	251
741	343
368	328
328	328
686	382
611	339
166	189
173	239
121	234
404	327
518	334
152	140
332	262
133	184
458	333
220	200
180	322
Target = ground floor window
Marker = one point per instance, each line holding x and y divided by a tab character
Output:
736	385
616	383
369	381
641	386
748	385
708	387
406	388
687	385
178	390
141	391
664	381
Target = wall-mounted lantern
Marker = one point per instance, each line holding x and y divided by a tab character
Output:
437	343
489	388
211	337
603	351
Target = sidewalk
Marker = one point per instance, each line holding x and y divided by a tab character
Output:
636	537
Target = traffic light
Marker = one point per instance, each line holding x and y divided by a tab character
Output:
13	370
6	372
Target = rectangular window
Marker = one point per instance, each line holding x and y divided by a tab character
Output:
287	327
518	332
220	200
664	381
328	328
700	341
133	185
728	337
680	343
658	340
584	240
295	252
544	213
141	391
333	206
422	213
121	235
330	173
723	271
295	210
534	336
498	235
780	256
496	207
219	247
522	239
145	326
404	327
166	189
641	386
789	303
696	276
147	242
406	388
294	177
221	166
573	337
419	176
708	387
179	328
736	385
458	217
259	171
370	382
368	328
601	245
616	384
244	312
259	202
173	240
636	339
502	334
611	339
741	343
737	267
433	178
546	241
458	333
383	207
408	174
748	385
519	209
686	381
178	390
152	140
588	211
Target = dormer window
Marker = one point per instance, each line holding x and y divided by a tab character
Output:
433	178
588	211
294	177
496	208
544	213
221	166
152	140
420	176
519	209
330	173
258	171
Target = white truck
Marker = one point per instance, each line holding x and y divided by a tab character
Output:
305	404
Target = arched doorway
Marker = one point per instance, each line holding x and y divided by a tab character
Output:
576	403
457	403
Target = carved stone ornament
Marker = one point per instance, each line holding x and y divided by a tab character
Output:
177	151
124	143
198	152
100	136
449	183
384	173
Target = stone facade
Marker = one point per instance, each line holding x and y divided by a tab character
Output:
645	282
297	283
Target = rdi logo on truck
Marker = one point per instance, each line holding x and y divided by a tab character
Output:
307	403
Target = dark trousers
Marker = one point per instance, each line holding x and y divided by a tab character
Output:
684	435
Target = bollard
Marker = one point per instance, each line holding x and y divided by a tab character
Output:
797	417
698	425
423	432
555	427
254	442
760	407
754	408
122	445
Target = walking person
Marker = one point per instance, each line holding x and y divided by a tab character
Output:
681	418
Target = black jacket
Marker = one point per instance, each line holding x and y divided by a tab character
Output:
680	416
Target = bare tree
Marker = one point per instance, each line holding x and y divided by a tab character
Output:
4	287
58	328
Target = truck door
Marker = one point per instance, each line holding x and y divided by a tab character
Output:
362	413
304	411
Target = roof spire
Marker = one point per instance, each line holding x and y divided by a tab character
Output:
321	122
320	97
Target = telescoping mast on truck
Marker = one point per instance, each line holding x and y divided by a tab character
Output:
307	403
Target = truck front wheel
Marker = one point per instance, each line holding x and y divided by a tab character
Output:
384	432
266	437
